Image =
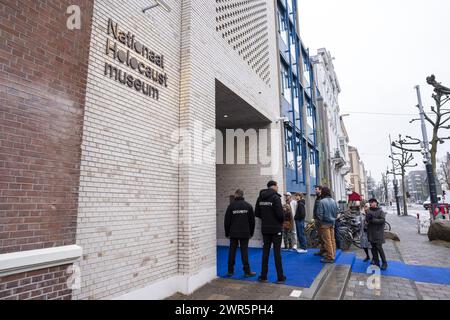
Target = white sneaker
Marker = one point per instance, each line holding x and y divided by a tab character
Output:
302	251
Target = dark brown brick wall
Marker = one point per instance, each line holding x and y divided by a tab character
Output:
43	74
43	284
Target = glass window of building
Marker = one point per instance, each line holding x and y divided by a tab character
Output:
306	70
312	164
296	96
286	83
299	157
283	24
289	148
293	47
310	118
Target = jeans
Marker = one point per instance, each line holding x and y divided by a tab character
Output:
243	243
327	233
301	236
268	240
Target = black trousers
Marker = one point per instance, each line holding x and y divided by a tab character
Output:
234	243
270	239
378	252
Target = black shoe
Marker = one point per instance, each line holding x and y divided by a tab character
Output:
366	259
250	274
261	279
375	263
319	254
230	274
325	260
384	266
281	281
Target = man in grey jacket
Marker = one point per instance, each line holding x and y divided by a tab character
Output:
327	211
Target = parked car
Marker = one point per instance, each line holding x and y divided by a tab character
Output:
427	203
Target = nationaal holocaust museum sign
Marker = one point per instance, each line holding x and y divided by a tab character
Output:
147	63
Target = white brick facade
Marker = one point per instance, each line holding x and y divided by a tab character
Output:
144	219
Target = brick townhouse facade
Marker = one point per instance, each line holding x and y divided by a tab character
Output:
110	186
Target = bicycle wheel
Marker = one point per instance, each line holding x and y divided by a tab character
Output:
387	226
312	238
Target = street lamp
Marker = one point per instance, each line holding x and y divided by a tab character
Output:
158	3
426	154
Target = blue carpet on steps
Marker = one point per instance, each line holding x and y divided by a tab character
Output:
300	269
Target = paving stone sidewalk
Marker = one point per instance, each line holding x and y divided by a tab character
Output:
230	289
414	249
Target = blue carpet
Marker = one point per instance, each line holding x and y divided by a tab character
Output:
346	258
300	269
398	269
412	272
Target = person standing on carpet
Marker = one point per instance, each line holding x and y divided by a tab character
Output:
293	203
376	220
318	190
288	227
326	214
364	240
299	218
269	209
239	227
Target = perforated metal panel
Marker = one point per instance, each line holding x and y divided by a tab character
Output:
243	24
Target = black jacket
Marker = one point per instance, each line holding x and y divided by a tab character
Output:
375	225
316	207
239	220
300	213
269	209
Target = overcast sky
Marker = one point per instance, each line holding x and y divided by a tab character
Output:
383	48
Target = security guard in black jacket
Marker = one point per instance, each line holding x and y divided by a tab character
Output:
270	211
239	227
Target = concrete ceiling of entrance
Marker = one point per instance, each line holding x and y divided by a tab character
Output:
234	112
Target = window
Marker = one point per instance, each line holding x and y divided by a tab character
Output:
312	164
283	26
306	70
285	83
293	45
289	148
311	116
299	156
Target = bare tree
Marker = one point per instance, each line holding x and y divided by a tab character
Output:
440	118
403	160
443	174
384	183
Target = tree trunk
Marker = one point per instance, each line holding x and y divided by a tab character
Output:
405	207
433	152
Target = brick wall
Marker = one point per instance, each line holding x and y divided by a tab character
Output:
42	89
43	284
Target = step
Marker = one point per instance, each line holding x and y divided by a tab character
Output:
334	284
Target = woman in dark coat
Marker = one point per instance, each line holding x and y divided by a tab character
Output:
364	240
376	219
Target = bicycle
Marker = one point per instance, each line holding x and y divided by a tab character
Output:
312	235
